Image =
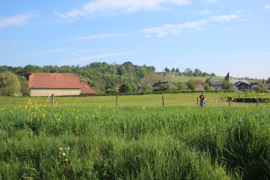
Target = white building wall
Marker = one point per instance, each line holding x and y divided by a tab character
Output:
56	92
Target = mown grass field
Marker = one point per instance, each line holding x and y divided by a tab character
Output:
203	79
154	100
90	138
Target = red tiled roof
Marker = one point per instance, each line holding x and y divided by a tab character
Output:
54	80
85	89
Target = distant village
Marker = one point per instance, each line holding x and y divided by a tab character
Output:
237	84
61	84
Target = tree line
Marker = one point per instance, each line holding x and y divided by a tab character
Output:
189	72
97	75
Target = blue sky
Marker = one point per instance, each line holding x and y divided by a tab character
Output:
212	35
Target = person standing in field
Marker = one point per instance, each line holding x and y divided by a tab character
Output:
202	99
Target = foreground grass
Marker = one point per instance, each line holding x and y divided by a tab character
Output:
134	142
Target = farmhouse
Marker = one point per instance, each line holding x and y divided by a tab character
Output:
59	84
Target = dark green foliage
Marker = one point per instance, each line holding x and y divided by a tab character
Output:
9	84
207	80
177	70
166	87
207	87
192	85
226	85
167	69
180	86
260	88
146	88
125	88
197	72
97	75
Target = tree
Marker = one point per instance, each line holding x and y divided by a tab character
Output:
192	85
167	69
207	80
173	70
121	70
260	88
207	87
125	88
177	70
205	74
180	86
197	72
226	85
213	74
146	88
9	83
188	72
269	79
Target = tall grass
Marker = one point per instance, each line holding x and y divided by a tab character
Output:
134	142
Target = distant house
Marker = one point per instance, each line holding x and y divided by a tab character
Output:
140	86
59	84
169	74
241	85
266	85
252	85
215	85
117	90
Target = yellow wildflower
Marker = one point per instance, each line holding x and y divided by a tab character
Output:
76	117
66	160
143	108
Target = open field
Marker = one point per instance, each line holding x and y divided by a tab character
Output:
203	79
71	141
153	100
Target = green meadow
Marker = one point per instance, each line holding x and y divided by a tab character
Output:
90	138
153	100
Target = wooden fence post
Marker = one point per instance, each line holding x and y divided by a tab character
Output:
116	100
163	101
52	100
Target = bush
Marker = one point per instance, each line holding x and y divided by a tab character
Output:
9	84
260	88
207	88
192	85
125	88
226	85
147	88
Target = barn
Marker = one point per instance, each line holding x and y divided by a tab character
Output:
59	84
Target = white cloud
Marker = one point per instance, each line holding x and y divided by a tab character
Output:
203	12
17	20
98	36
223	18
51	51
237	12
92	57
82	51
112	7
267	7
176	29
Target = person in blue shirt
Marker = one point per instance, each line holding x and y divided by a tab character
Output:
202	99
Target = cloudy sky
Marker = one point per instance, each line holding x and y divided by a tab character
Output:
212	35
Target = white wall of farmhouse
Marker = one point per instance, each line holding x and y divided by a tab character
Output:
56	92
